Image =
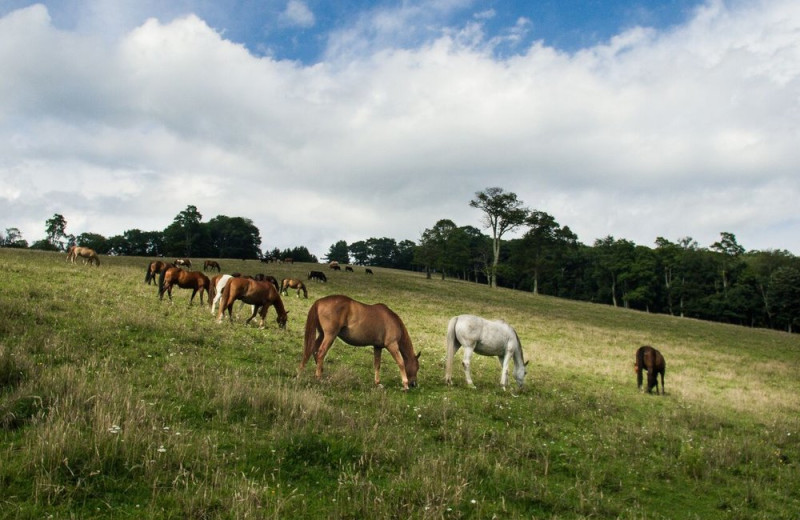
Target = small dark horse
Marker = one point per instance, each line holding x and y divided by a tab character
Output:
650	359
359	325
261	277
194	280
317	275
293	283
154	268
211	264
258	294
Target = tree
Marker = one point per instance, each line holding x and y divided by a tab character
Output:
184	232
94	241
435	249
729	251
785	296
55	229
13	238
503	212
338	252
360	252
230	237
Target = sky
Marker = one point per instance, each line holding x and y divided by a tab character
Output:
323	121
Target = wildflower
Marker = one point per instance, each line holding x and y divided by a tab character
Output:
114	429
161	449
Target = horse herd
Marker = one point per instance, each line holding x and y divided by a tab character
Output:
357	323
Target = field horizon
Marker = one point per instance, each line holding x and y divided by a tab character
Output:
114	404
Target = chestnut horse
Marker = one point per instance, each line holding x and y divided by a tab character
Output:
211	264
293	283
182	262
194	280
154	268
359	325
258	294
88	255
650	359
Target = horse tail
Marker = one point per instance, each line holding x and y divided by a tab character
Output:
451	344
312	324
147	275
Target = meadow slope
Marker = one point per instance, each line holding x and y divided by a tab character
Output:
114	404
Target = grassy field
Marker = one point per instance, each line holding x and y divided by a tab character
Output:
114	404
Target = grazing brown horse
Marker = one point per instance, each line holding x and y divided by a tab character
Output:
211	264
650	359
293	283
154	268
89	255
182	262
359	325
258	294
194	280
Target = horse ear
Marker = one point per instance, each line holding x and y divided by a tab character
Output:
419	354
526	363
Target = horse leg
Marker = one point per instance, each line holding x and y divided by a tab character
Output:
376	363
448	367
191	300
322	351
394	350
468	349
505	361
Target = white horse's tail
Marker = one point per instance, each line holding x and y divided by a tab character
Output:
451	345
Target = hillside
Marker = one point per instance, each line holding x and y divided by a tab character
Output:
115	404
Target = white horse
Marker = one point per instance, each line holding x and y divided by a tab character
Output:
488	338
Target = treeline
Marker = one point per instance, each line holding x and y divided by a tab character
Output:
722	282
186	236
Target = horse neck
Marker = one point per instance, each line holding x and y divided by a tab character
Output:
278	303
519	358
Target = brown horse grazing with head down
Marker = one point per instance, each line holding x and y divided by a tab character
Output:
293	283
258	294
650	359
154	268
89	255
182	262
211	264
359	325
194	280
261	277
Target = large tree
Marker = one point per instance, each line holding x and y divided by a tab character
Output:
338	252
55	229
502	212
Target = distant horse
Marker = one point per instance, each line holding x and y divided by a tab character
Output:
317	275
194	280
182	262
293	283
335	267
348	269
359	325
261	277
650	359
489	338
89	255
153	269
258	294
368	270
211	264
288	260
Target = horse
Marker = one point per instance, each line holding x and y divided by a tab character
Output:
261	277
154	268
650	359
89	255
317	275
360	325
488	338
348	269
218	283
194	280
182	262
211	264
293	283
258	294
368	271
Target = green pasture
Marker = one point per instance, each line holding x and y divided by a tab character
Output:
114	404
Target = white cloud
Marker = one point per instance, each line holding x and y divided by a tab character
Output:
689	132
298	14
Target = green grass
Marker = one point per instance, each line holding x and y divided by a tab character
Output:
116	405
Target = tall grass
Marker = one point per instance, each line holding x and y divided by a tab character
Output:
114	404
